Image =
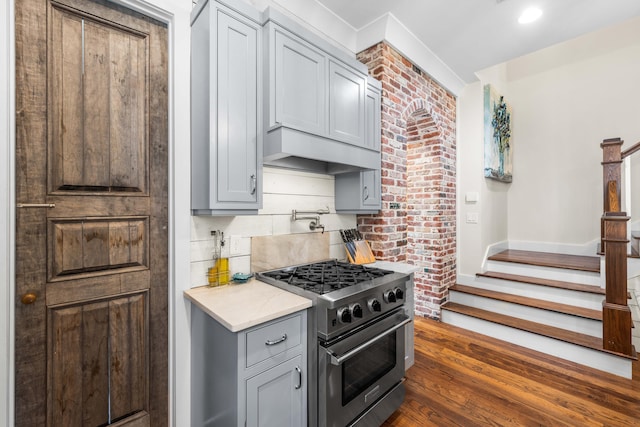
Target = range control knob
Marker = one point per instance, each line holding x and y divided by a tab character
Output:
356	310
389	296
374	305
399	293
344	315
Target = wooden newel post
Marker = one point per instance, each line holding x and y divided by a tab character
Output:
611	179
616	315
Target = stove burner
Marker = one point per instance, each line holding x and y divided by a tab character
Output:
327	276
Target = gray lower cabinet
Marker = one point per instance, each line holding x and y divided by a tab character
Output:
272	401
409	308
255	377
226	106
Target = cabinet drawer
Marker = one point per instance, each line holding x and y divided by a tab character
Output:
273	339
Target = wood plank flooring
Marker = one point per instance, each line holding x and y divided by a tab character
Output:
571	262
465	379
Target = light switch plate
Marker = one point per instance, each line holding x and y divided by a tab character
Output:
472	218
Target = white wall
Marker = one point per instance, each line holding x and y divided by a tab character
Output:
491	206
566	99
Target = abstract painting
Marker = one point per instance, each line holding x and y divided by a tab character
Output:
498	159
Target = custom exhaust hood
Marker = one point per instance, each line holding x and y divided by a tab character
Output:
293	149
322	109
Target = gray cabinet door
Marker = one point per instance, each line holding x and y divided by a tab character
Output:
373	112
297	83
370	181
237	126
226	111
358	192
346	104
275	397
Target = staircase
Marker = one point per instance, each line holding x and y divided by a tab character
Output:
547	302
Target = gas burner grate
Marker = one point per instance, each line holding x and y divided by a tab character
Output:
326	276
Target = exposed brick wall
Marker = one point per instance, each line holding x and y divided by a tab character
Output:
417	223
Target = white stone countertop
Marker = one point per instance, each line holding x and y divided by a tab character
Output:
241	306
399	267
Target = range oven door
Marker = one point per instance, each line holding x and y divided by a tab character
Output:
357	372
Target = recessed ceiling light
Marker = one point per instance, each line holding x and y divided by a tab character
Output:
529	15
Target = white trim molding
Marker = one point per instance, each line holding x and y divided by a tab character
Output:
7	213
391	30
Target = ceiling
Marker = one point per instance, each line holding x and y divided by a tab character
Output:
471	35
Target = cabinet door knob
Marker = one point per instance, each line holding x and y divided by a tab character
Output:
28	298
365	193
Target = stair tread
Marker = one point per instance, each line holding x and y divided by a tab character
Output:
577	338
530	302
548	259
543	282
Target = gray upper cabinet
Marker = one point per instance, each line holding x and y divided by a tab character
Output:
297	91
346	104
373	113
360	192
226	105
316	102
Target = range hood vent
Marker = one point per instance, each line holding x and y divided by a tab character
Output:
293	149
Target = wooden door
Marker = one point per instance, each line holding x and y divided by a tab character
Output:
91	272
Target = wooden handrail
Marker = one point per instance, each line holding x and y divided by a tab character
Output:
629	151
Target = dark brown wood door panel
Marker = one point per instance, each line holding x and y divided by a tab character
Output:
99	74
98	361
91	102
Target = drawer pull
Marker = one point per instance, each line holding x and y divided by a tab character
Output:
299	377
278	341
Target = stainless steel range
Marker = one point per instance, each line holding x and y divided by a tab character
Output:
356	339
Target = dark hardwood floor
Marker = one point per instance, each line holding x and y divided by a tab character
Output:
465	379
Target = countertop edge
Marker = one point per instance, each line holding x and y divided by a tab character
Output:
399	267
223	307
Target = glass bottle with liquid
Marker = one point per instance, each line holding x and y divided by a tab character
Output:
222	267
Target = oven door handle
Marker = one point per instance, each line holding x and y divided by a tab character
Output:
338	360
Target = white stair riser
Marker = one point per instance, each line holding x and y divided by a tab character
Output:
547	293
565	275
545	317
575	353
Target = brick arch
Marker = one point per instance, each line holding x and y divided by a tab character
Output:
417	223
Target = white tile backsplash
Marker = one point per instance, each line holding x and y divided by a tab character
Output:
283	191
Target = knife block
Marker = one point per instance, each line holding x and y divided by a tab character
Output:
359	252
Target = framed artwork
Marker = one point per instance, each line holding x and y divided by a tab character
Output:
498	162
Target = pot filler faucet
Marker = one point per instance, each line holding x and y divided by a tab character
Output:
314	216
